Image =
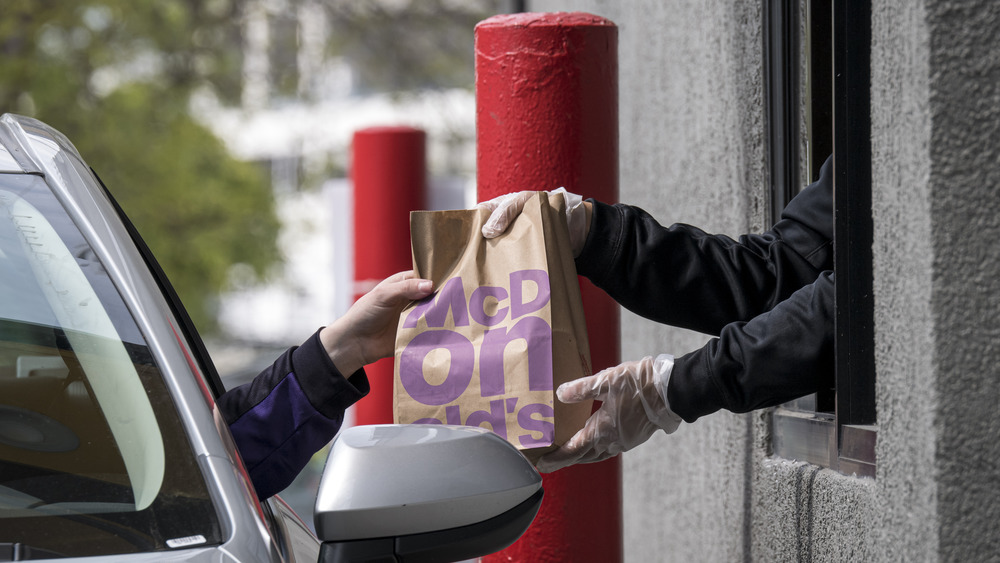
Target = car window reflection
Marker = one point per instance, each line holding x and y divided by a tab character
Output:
86	424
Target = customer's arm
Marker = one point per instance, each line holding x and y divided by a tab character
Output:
296	406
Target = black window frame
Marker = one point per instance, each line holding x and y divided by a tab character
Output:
836	430
781	84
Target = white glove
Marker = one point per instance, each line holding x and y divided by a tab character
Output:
504	209
634	407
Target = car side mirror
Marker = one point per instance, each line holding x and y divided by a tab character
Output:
423	492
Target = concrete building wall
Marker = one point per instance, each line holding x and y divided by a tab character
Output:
963	188
693	150
908	518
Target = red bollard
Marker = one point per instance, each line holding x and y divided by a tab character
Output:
388	171
547	116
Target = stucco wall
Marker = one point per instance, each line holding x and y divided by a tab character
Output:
903	268
936	118
692	150
964	198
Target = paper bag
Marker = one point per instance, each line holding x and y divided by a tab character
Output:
503	329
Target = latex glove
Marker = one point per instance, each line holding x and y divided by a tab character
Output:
367	332
634	407
504	209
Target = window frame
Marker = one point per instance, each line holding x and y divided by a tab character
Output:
842	435
781	91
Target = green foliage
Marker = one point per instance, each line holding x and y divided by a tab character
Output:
199	210
115	76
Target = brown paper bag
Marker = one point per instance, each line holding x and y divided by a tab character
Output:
503	329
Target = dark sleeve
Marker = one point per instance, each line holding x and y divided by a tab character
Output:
288	412
778	356
684	277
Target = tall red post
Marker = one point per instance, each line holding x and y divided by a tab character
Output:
547	116
388	171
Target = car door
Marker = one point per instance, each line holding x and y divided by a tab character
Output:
110	442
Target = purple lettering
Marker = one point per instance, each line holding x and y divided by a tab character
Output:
427	421
518	307
495	418
411	366
451	297
547	428
537	334
511	404
477	305
453	414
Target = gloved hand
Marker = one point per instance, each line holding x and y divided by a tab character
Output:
504	209
634	407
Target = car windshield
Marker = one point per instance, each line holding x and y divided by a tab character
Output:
93	458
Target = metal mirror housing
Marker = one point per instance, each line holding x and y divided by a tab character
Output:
423	493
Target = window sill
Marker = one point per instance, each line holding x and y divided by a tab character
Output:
812	437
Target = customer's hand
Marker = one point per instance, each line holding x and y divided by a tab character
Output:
634	407
367	332
504	209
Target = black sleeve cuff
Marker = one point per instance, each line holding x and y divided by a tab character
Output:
326	388
603	246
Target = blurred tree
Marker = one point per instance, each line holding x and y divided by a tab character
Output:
115	76
199	210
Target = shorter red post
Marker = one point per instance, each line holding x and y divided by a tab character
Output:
388	171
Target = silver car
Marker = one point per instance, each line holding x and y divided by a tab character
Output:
111	446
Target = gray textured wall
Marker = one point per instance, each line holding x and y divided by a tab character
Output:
963	196
692	150
903	267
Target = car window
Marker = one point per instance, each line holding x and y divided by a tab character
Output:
93	459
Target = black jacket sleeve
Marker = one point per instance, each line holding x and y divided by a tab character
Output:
288	412
682	276
780	355
768	298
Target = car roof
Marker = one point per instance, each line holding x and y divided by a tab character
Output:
7	162
21	138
